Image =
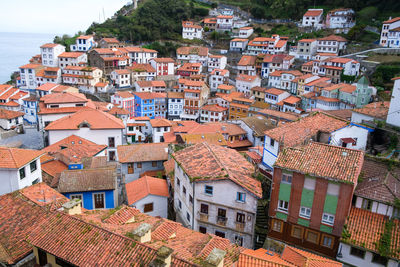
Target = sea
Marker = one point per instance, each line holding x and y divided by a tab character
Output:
17	48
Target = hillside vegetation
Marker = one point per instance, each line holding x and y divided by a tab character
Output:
153	20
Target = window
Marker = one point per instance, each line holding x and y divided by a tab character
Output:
178	182
220	234
35	181
240	217
154	164
283	205
376	258
222	213
111	155
202	229
190	199
312	236
33	166
272	142
277	226
180	204
184	190
328	218
305	212
208	190
188	216
77	196
139	165
297	232
148	207
22	173
239	240
111	141
327	241
130	168
359	253
286	178
241	197
204	208
98	199
366	204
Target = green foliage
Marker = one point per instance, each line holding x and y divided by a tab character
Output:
66	40
153	20
347	78
206	29
384	73
167	49
394	141
199	11
384	244
366	14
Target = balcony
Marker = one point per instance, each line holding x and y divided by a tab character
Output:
203	217
221	220
240	226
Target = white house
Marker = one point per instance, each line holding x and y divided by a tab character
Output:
125	100
142	72
49	53
393	117
247	65
175	105
390	34
267	45
72	59
212	195
272	63
216	62
92	124
27	74
224	23
192	54
213	113
273	96
305	49
238	44
313	18
150	86
85	78
83	43
121	78
245	32
159	127
244	83
48	75
21	169
341	20
163	66
218	77
332	44
140	55
191	31
149	195
10	119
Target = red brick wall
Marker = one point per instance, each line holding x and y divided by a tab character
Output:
275	191
321	186
295	197
343	207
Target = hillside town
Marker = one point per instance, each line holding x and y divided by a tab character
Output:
269	152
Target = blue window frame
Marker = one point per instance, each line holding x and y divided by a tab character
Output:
208	190
241	197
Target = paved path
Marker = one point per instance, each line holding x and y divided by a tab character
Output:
31	139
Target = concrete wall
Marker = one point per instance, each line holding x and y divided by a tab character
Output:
356	261
160	205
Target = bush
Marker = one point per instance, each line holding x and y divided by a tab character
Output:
199	11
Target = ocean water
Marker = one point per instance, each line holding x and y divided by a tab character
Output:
17	48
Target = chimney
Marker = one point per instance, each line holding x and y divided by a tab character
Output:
73	207
163	257
215	258
142	234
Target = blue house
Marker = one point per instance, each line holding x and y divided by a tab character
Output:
97	188
144	104
30	106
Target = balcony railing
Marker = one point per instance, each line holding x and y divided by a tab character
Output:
203	217
240	226
221	220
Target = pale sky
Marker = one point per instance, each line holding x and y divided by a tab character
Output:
54	16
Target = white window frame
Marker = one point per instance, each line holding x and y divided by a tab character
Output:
81	195
93	200
305	212
281	206
287	176
328	221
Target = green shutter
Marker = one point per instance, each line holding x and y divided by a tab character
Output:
303	222
281	216
325	228
307	198
330	204
284	192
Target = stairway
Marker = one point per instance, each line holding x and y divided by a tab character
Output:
261	228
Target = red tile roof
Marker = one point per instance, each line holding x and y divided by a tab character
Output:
300	257
390	21
71	54
74	149
96	119
274	91
377	110
262	258
163	60
246	78
62	98
160	123
141	68
295	133
247	61
143	152
198	50
49	45
313	12
10	114
205	162
365	228
333	38
53	167
15	158
322	160
144	186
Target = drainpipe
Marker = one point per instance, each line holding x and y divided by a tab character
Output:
194	194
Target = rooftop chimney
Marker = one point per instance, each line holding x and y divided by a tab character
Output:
215	258
142	234
163	257
73	207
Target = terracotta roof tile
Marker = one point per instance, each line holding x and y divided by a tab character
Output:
15	158
377	110
313	12
87	180
212	162
321	160
247	61
198	50
10	114
246	78
160	123
300	257
143	152
71	54
144	186
365	229
290	116
54	167
96	119
210	138
262	258
333	38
